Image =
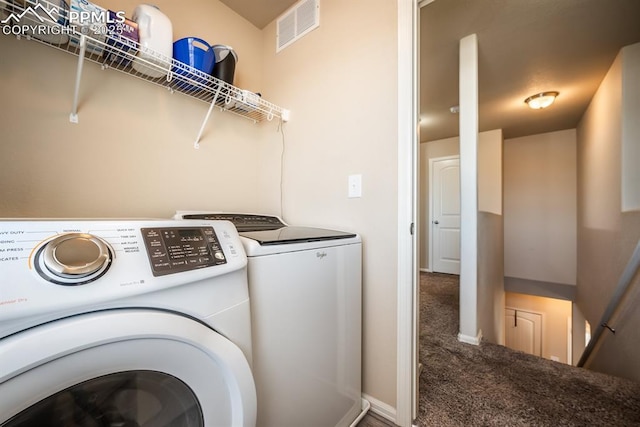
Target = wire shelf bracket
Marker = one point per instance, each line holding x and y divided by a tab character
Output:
112	52
73	117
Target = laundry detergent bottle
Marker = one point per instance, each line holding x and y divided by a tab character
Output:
156	41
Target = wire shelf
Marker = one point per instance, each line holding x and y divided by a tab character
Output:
47	23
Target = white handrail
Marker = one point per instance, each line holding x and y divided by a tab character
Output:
623	284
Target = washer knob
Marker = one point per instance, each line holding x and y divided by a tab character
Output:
76	255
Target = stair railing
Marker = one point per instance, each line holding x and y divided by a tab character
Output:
623	284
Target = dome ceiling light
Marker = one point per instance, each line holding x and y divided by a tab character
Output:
541	100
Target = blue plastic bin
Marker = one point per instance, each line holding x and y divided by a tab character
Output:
196	61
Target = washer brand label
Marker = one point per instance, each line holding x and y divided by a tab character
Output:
13	301
133	283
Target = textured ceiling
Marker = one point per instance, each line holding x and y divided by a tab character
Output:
259	12
524	47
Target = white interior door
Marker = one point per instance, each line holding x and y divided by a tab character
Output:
445	215
523	331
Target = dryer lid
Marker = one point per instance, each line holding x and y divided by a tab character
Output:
289	234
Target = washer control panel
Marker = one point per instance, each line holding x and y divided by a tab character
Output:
55	268
177	249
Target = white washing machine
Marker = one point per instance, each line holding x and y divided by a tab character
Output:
305	286
124	323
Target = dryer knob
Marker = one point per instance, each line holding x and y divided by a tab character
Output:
76	255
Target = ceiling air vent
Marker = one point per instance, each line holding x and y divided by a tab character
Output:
300	19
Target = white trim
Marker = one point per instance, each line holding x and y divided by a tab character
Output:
423	3
426	270
407	330
469	339
366	405
382	409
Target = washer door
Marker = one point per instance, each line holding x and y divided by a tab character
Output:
124	368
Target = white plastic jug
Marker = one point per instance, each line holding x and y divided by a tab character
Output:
156	41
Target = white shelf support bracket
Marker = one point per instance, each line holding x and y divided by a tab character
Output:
196	145
73	117
285	115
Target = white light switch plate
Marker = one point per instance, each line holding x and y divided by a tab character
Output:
355	186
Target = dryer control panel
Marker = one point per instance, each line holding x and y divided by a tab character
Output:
178	249
243	222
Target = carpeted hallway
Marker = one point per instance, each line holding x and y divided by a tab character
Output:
490	385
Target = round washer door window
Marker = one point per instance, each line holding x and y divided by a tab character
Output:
125	368
123	399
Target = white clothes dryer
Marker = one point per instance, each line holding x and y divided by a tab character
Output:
124	323
305	286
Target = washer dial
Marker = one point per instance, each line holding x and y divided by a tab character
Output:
73	258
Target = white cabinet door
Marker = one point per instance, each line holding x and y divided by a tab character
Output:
523	331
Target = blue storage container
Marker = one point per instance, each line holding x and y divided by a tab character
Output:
194	61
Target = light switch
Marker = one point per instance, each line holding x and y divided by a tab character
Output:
355	186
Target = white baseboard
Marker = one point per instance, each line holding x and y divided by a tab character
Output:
469	339
426	270
382	409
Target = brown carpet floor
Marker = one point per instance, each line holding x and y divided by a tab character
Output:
490	385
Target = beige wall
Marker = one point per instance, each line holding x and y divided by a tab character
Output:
540	207
132	153
555	315
491	276
606	236
340	82
490	237
490	161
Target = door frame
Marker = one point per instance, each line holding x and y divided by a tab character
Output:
407	224
431	219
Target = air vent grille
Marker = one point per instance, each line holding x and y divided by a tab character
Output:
299	20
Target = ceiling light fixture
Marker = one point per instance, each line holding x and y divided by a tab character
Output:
541	100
